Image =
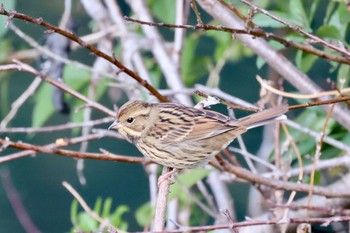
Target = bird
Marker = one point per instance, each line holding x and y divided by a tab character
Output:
182	137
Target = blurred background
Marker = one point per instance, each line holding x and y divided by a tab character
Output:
38	179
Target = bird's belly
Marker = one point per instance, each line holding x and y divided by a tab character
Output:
186	154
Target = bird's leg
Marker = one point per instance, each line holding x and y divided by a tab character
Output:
167	176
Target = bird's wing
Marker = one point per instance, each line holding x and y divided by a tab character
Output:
209	124
178	125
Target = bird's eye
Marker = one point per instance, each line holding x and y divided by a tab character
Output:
130	120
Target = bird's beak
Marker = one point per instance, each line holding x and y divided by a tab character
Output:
115	125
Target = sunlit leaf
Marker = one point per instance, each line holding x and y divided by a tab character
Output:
305	61
329	31
144	214
8	5
106	211
116	217
74	212
98	206
43	107
343	77
299	15
163	10
187	180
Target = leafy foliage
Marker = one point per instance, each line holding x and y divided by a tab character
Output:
82	221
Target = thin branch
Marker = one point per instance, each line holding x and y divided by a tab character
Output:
69	125
162	201
20	101
270	88
277	184
297	28
45	51
27	68
70	153
160	51
87	209
253	32
82	43
317	154
325	221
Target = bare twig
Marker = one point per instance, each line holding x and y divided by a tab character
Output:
297	28
325	222
70	153
270	88
276	184
27	68
254	32
69	125
87	209
228	104
318	153
90	47
19	102
160	51
162	199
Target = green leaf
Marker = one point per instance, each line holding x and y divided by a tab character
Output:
305	61
8	5
343	77
107	207
188	54
329	31
5	47
87	223
337	20
43	108
343	11
98	206
116	217
74	212
313	9
163	10
299	15
75	78
330	9
193	65
260	62
187	180
265	21
4	94
144	214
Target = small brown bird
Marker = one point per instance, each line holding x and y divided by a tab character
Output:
183	137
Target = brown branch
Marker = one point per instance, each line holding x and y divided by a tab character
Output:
324	220
83	44
228	104
69	125
27	68
254	32
162	201
318	103
70	153
297	28
198	14
277	184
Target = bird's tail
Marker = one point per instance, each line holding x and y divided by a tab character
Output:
264	117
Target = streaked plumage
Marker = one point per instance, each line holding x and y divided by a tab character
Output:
181	137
